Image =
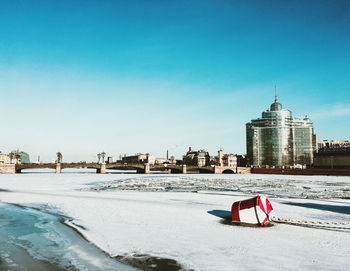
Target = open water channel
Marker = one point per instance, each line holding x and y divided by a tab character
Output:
32	239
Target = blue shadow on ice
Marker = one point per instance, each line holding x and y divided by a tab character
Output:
325	207
220	213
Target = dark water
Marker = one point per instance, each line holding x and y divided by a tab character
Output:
33	240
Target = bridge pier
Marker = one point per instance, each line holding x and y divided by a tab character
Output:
184	169
58	168
7	168
217	170
102	169
146	168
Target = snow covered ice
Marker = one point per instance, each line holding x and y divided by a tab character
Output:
170	216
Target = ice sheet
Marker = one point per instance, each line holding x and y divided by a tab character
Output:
125	214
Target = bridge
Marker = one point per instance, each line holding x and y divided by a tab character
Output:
140	168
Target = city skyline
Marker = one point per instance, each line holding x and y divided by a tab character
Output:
146	77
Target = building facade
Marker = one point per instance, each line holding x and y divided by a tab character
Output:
139	158
332	145
4	158
278	140
199	158
225	159
21	156
332	154
162	161
16	157
110	159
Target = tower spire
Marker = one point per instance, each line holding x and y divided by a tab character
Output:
275	94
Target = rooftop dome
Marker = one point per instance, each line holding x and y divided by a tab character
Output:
307	118
276	106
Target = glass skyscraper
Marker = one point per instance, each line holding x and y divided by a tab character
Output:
279	140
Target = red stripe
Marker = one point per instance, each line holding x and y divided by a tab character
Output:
269	206
235	211
248	203
261	205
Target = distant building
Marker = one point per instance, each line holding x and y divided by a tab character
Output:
110	160
241	160
332	154
199	158
23	156
172	160
4	158
225	159
16	157
279	140
139	158
167	160
332	145
178	162
160	161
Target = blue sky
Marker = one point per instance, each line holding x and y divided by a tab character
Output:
83	77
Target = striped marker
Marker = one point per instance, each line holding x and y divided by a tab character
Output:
257	211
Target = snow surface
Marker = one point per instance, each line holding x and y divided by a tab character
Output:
170	216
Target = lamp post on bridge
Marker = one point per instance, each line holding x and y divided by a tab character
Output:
103	154
102	169
58	164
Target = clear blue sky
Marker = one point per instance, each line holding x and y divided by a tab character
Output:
83	77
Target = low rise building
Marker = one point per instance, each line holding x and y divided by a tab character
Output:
329	145
199	158
139	158
4	158
21	157
332	154
160	161
225	159
172	160
110	160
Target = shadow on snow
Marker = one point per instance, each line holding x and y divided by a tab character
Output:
324	207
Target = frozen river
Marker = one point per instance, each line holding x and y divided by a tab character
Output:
167	220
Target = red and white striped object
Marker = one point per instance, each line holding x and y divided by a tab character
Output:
255	211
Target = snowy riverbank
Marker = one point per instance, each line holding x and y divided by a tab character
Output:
170	216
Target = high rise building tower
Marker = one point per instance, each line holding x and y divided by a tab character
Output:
279	140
